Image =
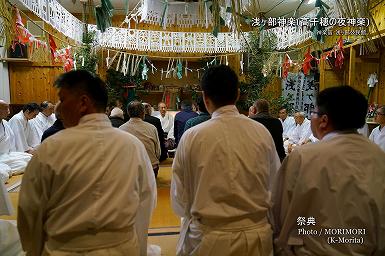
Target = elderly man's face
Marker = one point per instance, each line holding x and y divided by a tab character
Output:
4	109
49	110
298	119
162	109
70	107
380	117
282	114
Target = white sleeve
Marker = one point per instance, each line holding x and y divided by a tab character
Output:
32	202
178	192
21	144
147	196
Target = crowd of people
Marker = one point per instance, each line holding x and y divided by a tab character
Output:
254	185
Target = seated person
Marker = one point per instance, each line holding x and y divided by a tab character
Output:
57	125
21	127
117	117
11	162
378	134
166	119
42	121
144	131
203	115
288	123
181	118
301	133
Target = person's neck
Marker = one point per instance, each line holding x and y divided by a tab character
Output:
382	126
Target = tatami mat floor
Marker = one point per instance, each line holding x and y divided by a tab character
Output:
164	226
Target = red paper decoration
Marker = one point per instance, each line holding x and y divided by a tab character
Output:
286	66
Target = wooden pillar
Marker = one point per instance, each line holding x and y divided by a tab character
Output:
352	66
322	75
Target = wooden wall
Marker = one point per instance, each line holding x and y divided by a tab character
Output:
357	67
32	81
355	73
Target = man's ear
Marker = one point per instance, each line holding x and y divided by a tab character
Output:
254	110
85	104
207	102
238	94
324	122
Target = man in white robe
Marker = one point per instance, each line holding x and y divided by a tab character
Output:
221	176
42	121
166	119
302	132
378	133
144	131
20	125
11	162
327	192
88	190
288	123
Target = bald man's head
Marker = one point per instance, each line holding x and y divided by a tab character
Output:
4	109
299	117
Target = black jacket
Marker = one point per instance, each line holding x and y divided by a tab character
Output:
57	126
116	121
275	128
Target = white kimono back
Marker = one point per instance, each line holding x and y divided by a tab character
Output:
338	181
221	176
88	187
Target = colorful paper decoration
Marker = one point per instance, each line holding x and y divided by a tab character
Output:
306	65
286	66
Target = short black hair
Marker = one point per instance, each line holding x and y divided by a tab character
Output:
31	107
135	109
86	82
345	107
201	105
186	104
220	84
